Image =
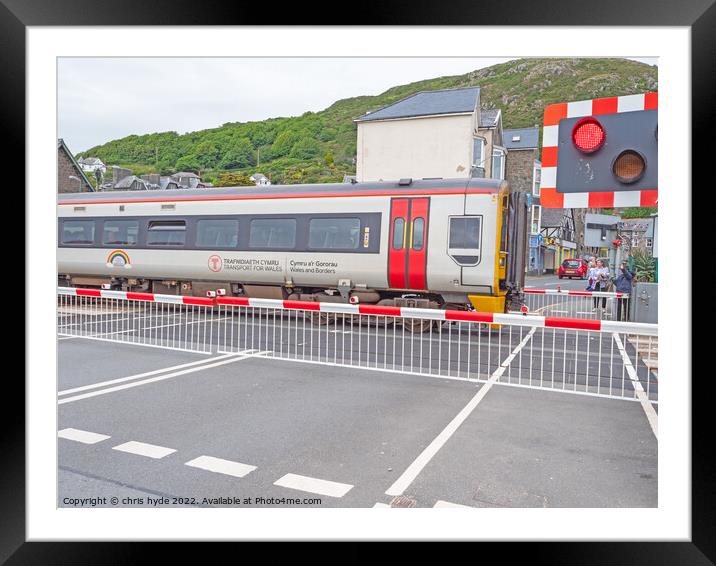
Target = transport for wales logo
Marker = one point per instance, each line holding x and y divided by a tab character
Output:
215	263
118	258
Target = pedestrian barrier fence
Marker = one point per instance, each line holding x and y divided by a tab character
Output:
585	356
599	305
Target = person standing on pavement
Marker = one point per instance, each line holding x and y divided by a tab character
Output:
600	274
623	285
592	265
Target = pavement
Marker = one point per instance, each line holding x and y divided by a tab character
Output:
159	427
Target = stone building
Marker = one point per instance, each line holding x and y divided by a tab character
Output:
70	177
524	171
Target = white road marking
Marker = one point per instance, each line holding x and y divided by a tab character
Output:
409	475
314	485
651	415
381	505
230	360
83	436
440	503
143	449
146	374
220	466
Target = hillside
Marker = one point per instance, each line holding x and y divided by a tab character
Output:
320	146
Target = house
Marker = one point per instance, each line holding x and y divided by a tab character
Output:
558	238
187	179
431	134
92	164
132	183
260	179
524	172
70	176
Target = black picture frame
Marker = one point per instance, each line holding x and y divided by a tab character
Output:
699	15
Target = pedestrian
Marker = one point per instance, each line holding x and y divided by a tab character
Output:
592	265
624	285
600	275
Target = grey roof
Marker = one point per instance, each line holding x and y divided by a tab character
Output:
185	174
63	146
528	138
428	103
126	182
488	118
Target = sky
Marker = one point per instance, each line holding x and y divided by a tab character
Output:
102	99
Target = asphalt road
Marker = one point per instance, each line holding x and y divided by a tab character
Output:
189	429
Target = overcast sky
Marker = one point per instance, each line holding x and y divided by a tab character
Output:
101	99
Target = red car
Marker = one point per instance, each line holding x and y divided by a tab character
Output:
573	267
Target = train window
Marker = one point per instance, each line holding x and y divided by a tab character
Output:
120	232
273	233
166	233
464	233
217	233
78	232
334	233
398	233
418	234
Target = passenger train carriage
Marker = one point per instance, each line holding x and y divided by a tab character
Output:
429	243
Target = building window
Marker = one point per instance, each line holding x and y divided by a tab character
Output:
217	233
537	178
78	232
273	233
166	233
498	162
536	218
334	233
478	157
120	233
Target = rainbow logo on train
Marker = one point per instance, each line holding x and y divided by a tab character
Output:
118	258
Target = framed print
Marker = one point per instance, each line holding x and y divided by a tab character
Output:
307	271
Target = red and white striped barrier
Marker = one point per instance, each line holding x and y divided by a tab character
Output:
549	197
130	296
378	310
446	315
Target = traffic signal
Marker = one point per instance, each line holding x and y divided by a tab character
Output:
601	153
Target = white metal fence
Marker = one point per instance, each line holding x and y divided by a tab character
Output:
593	357
162	321
600	305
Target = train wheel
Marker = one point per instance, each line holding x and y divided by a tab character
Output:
319	318
417	325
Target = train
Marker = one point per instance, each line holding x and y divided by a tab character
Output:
428	243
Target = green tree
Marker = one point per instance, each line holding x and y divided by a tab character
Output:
283	143
239	153
229	179
305	148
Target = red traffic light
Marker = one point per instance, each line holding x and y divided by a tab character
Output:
588	135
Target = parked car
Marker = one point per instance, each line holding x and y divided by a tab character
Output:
573	267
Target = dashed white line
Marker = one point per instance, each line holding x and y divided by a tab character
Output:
143	449
221	466
83	436
381	505
314	485
409	475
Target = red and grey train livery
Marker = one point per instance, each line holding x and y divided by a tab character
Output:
456	243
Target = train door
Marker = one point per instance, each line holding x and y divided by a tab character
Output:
407	255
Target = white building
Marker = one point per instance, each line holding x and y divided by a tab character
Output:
442	133
92	164
260	179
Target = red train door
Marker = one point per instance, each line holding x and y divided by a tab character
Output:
407	255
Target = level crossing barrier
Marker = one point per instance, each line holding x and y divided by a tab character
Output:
584	356
599	305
